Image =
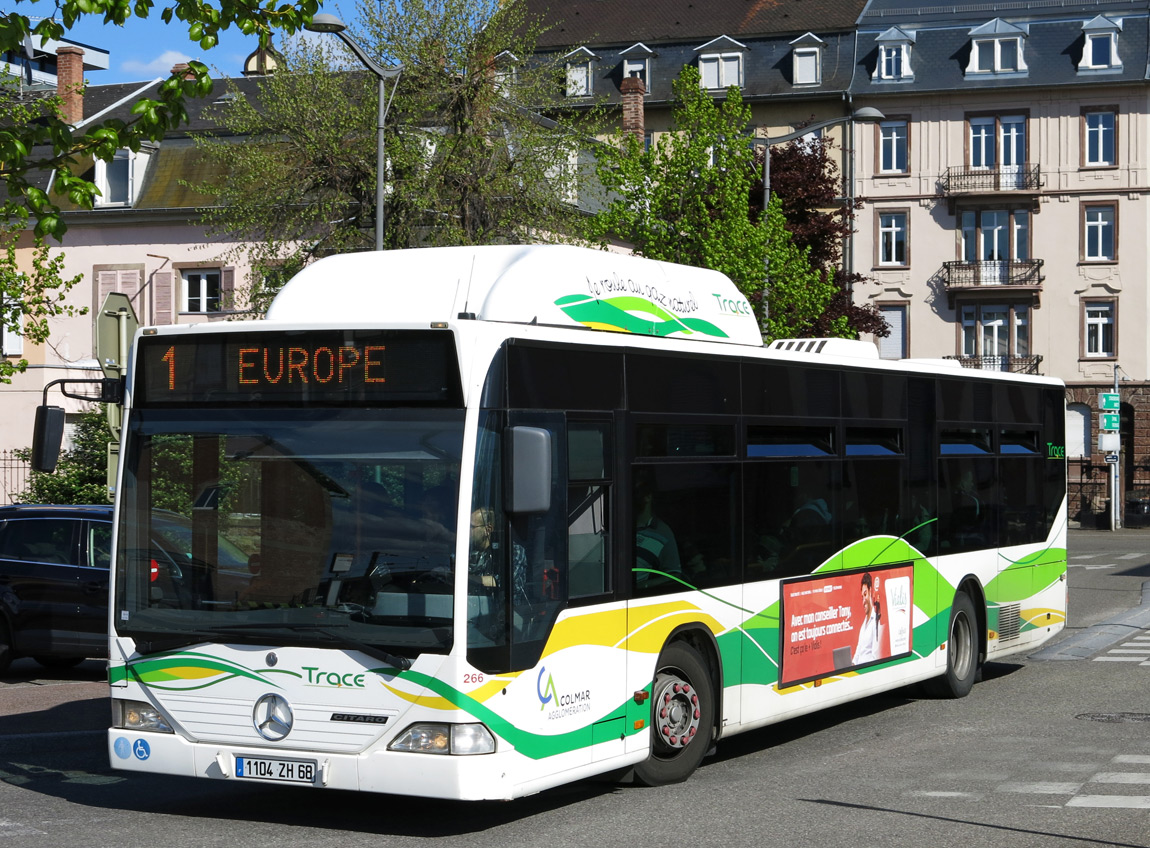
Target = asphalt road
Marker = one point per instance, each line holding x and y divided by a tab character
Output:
1049	750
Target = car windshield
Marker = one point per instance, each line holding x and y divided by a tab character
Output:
290	527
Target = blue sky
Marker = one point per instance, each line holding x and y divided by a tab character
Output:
144	49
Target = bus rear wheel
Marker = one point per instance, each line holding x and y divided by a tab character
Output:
682	717
962	654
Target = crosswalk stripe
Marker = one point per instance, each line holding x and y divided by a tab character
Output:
1041	788
1133	802
1131	556
1132	758
1125	777
1118	659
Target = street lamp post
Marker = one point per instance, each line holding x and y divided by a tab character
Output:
867	113
323	22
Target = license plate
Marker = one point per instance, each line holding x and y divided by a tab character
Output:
269	768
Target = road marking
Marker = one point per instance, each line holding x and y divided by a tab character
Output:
1131	556
1132	758
1127	777
1040	788
11	828
1118	659
1086	556
1130	802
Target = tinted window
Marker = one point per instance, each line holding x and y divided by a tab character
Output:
550	378
789	390
684	440
682	384
874	396
790	517
965	401
48	540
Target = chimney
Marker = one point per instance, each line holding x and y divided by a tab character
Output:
70	82
633	90
181	69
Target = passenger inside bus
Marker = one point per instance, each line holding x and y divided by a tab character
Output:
655	545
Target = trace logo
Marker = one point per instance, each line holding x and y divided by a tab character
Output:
318	677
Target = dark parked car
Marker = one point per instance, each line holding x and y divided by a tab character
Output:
54	563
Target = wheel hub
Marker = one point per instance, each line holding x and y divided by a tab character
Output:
676	711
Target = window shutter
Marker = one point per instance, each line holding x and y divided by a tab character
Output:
227	289
106	282
163	295
894	345
129	282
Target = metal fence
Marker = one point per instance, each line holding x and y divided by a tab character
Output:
13	476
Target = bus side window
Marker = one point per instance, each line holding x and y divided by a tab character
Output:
588	509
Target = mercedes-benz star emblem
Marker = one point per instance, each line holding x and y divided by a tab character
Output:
272	717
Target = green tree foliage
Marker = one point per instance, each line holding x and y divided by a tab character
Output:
81	474
50	144
695	198
799	293
32	293
685	199
469	160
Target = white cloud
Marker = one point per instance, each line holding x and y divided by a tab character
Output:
161	66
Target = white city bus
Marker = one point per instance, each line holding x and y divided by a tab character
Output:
510	517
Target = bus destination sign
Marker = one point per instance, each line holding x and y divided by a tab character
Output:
310	367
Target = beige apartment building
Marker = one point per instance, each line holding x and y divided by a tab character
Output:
1007	223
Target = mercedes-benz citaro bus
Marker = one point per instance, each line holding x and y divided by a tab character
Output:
515	516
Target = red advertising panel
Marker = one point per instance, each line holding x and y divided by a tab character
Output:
831	623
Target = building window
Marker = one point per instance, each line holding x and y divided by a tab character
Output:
1101	50
896	345
995	332
579	79
636	68
1100	337
1099	238
892	239
11	341
720	70
995	238
996	56
202	290
894	51
999	141
890	61
1078	426
808	66
1099	131
114	179
893	147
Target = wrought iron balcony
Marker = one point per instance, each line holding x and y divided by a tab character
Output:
991	180
961	276
1017	364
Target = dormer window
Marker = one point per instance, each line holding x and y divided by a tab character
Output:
506	66
721	63
579	75
1100	46
997	48
894	55
118	180
807	58
637	63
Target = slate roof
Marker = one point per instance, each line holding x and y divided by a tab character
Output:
1053	44
576	22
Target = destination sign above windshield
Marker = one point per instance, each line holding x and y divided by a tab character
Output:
340	367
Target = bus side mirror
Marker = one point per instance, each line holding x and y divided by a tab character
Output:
530	478
46	438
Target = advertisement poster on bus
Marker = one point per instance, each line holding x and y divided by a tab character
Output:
834	623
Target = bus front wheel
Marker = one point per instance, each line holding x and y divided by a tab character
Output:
962	654
682	717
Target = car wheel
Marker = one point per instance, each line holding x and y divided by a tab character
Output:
683	717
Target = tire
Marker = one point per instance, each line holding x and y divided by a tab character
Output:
962	652
59	662
682	717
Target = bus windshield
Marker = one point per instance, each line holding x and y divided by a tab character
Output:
273	526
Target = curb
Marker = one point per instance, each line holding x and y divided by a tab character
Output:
1099	636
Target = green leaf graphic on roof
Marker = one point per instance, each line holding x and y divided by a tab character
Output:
632	315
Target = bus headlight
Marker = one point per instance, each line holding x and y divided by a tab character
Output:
458	739
138	715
